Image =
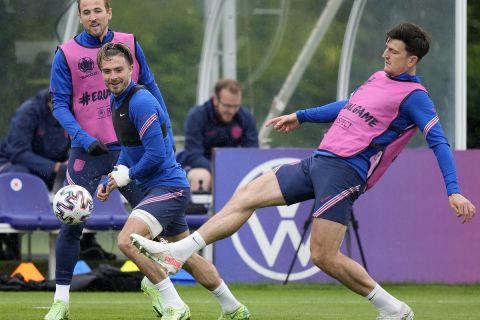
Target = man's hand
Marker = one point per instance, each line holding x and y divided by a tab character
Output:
103	192
285	123
97	148
119	177
463	208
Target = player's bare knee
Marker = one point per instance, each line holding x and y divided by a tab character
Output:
152	226
242	198
324	261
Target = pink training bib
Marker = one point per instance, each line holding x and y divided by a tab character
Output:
367	115
90	97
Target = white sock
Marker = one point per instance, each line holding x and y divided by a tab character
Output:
150	283
62	292
384	301
169	294
227	301
183	249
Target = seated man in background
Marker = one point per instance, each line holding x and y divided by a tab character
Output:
35	144
219	122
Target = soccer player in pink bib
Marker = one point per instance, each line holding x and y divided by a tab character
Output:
368	131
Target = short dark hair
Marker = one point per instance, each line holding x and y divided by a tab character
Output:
106	2
417	41
111	49
229	84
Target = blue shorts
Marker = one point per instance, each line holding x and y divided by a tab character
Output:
330	181
167	205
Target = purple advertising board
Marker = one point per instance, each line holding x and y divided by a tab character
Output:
406	227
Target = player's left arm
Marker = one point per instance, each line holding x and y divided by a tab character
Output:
422	112
148	117
147	79
463	208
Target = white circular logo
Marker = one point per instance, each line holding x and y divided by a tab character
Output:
287	228
16	184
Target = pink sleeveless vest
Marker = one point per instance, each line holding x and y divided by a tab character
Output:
380	161
91	98
368	114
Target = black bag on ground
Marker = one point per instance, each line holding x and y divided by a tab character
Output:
109	278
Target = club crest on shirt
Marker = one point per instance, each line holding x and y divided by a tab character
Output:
85	64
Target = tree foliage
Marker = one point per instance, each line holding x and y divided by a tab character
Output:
171	35
473	76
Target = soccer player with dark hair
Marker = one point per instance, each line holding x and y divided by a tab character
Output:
369	130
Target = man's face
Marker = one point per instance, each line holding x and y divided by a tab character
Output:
227	105
397	59
95	17
116	74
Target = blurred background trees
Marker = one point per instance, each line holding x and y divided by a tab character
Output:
473	74
171	35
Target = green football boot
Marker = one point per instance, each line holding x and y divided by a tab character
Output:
151	290
58	311
176	314
241	313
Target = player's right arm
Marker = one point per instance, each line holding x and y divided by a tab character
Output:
61	87
322	114
103	192
285	123
105	188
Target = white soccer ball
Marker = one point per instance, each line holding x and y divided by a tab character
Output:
72	204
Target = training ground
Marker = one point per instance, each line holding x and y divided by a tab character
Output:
266	302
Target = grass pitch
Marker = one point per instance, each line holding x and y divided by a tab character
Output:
293	301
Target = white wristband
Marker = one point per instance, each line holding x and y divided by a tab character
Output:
121	176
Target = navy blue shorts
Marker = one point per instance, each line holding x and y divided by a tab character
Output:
167	205
330	181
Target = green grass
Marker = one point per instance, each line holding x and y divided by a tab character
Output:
294	301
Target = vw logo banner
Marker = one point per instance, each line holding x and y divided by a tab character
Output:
263	249
407	229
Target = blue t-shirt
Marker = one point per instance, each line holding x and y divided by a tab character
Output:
153	162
